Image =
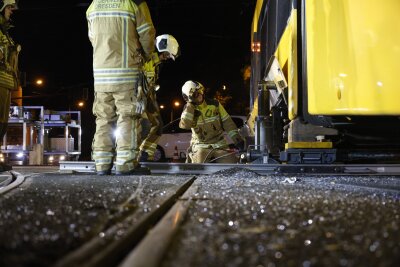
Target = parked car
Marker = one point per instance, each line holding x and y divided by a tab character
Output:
173	136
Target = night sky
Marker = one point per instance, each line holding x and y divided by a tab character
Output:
214	36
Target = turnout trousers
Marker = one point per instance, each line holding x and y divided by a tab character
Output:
149	144
203	154
5	100
115	117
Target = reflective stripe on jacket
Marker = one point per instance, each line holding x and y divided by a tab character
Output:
208	122
121	33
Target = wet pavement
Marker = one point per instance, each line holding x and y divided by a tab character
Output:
237	218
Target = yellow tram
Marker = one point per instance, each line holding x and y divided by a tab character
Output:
324	84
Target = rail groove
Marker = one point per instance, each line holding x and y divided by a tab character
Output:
105	250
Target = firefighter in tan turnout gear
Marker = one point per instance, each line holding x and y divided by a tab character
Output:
122	35
168	48
208	120
8	67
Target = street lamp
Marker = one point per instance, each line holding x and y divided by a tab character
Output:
176	104
39	82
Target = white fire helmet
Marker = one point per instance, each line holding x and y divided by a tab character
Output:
168	43
4	3
191	89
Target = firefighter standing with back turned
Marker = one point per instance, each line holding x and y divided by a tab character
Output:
122	35
208	120
168	48
8	67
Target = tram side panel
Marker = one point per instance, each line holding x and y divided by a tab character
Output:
338	60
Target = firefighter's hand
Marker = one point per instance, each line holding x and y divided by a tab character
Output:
239	142
189	99
193	100
140	107
141	101
240	145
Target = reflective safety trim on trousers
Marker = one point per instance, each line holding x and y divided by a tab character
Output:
103	161
121	162
102	154
109	14
124	154
221	145
148	147
125	158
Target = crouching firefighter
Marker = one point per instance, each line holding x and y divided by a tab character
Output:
8	67
168	48
208	120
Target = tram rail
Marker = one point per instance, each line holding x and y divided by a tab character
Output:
152	249
13	180
109	248
262	169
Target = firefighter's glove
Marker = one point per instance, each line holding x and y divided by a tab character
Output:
239	142
142	93
191	99
141	101
188	99
197	113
